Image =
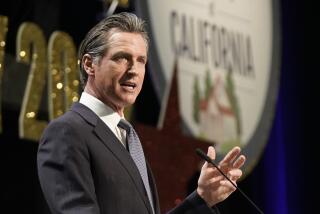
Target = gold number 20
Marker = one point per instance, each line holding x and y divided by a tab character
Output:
62	77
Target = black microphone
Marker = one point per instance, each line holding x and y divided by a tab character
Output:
209	160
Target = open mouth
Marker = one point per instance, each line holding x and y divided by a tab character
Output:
128	85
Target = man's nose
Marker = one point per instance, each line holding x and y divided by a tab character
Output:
132	67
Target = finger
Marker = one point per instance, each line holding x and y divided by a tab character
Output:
205	165
239	162
235	174
227	184
206	169
216	179
210	171
231	155
211	152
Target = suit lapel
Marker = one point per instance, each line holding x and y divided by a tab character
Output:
115	147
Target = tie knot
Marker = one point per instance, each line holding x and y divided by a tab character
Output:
125	125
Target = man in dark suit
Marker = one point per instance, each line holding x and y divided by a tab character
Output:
84	164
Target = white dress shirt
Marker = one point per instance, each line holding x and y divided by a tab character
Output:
106	114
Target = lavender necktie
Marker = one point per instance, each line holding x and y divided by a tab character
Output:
136	152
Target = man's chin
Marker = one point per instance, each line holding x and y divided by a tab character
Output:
129	101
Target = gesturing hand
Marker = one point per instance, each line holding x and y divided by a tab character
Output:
212	186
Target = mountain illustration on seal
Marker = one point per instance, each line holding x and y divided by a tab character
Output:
216	111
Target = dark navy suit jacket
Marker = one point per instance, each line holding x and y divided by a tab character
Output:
84	169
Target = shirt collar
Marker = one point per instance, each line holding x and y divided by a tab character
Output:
107	114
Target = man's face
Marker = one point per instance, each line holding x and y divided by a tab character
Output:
119	75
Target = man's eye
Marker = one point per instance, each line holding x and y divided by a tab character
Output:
142	60
121	60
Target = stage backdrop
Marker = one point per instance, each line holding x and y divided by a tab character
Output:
212	79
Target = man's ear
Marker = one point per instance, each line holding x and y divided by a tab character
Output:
87	62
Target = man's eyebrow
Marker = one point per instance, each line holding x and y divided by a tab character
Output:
121	54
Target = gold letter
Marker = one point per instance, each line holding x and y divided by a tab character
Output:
31	49
3	33
63	78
